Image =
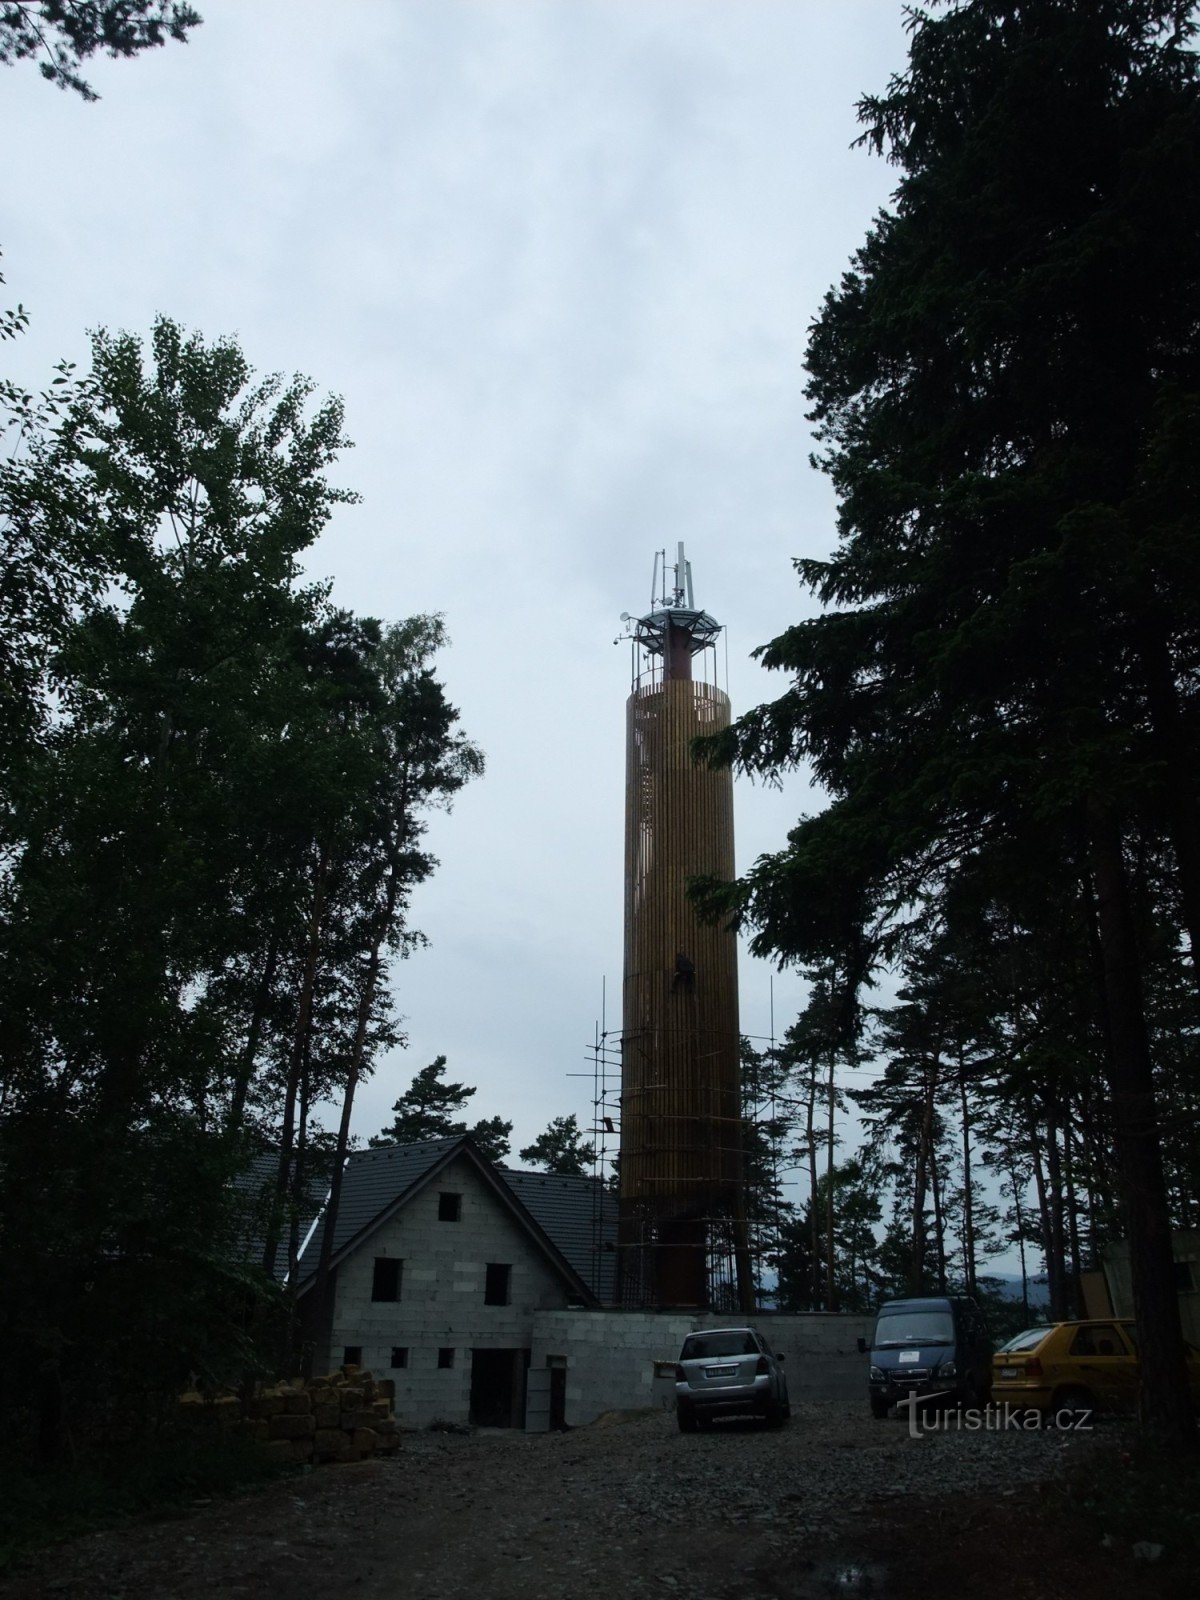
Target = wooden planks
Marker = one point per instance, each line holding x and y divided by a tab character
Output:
680	1071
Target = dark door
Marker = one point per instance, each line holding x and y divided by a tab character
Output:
498	1388
558	1397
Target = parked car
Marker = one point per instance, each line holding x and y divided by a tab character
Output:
1074	1366
935	1349
723	1371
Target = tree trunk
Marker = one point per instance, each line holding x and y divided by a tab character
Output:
830	1277
968	1188
300	1176
245	1069
296	1063
1060	1308
813	1194
939	1221
1072	1215
1174	751
1053	1280
1016	1189
1164	1398
322	1297
916	1271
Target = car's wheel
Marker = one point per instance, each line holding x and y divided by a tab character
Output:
775	1414
1072	1401
704	1423
879	1408
686	1419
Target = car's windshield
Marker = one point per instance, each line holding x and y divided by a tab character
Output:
914	1327
732	1342
1028	1340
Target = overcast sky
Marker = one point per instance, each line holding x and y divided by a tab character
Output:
560	260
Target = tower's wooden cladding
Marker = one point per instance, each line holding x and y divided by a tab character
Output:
680	1077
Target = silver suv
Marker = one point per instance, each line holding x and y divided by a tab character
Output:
725	1370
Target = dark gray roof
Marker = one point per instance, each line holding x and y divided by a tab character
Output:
255	1201
580	1215
372	1183
573	1219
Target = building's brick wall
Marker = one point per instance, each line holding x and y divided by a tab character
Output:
442	1296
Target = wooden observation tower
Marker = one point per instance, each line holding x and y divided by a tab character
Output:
682	1235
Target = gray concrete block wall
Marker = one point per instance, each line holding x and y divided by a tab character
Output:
610	1356
823	1361
616	1359
441	1296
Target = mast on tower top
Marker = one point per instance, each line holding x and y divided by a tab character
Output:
674	629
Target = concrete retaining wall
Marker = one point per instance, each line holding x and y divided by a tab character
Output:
624	1360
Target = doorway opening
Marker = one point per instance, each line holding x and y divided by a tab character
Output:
498	1388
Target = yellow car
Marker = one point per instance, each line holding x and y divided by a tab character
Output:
1072	1366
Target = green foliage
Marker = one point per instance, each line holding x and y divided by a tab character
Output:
214	792
427	1111
561	1148
994	382
859	1278
61	34
1002	680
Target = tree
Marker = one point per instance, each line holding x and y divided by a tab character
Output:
561	1148
768	1128
179	747
64	33
426	1111
1007	391
50	562
424	761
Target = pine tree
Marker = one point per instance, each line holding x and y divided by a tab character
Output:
561	1148
427	1109
1006	385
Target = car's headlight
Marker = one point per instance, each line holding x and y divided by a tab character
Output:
877	1372
947	1370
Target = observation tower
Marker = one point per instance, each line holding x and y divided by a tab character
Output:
681	1232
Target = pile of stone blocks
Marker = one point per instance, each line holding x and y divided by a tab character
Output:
346	1416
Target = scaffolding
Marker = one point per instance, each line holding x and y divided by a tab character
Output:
625	1270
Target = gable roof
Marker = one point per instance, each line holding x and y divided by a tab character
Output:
378	1183
580	1215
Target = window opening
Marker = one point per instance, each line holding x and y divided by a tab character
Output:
496	1285
385	1282
449	1207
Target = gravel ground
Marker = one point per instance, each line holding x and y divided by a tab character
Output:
627	1505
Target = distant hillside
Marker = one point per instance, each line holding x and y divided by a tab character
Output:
1008	1284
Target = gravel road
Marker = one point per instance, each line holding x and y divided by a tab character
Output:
626	1506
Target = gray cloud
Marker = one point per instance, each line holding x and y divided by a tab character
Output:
560	259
